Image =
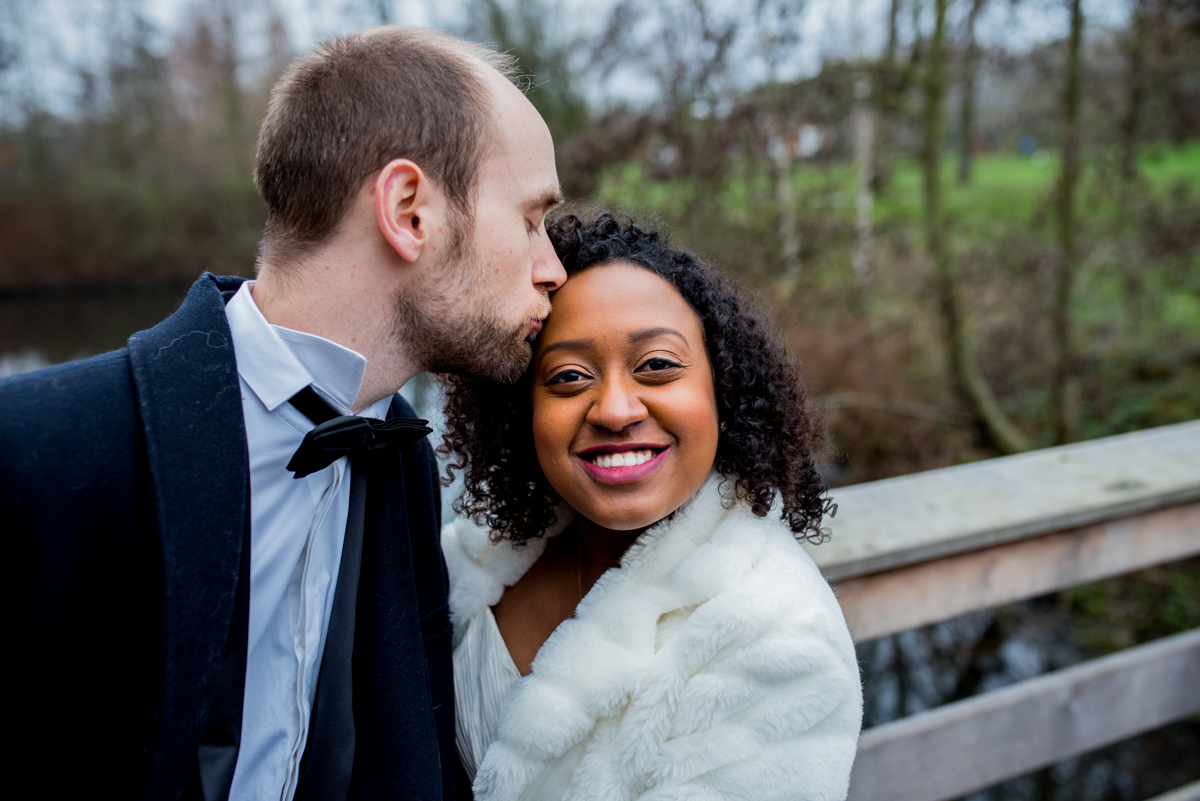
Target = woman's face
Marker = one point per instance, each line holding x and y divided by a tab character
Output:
624	412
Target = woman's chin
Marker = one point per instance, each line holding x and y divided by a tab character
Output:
625	514
623	522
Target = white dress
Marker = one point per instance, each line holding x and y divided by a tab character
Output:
484	675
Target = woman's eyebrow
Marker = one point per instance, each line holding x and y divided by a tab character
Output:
568	344
642	334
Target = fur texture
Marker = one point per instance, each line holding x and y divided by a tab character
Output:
714	663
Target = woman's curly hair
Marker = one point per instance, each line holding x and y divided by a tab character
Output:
768	431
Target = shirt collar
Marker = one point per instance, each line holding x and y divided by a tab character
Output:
278	362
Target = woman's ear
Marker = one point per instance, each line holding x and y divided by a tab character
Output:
407	206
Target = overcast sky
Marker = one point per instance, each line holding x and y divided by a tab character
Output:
63	36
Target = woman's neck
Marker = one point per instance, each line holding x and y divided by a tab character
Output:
604	547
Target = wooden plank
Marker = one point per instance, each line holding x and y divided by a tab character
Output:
915	595
969	745
1189	792
901	521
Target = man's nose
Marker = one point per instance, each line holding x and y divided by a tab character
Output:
548	272
617	407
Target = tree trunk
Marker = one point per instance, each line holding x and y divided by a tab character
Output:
969	382
966	123
864	123
1137	92
241	146
789	237
887	104
1130	126
1063	403
383	11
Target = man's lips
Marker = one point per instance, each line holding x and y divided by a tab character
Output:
643	458
534	328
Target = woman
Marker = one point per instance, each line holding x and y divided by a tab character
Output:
634	617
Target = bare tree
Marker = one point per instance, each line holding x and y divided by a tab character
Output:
1137	46
230	88
1136	53
777	34
864	134
521	27
966	122
1063	405
863	122
789	237
886	89
12	38
969	382
382	11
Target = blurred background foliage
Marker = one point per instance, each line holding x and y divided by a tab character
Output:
970	253
976	243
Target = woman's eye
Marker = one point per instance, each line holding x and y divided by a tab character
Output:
658	363
567	377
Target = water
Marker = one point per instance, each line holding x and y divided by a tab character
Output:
923	668
40	331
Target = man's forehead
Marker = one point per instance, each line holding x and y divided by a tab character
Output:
525	153
521	150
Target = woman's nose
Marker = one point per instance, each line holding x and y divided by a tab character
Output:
616	408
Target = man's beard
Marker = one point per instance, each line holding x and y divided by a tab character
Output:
444	339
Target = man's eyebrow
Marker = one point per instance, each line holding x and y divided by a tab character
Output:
545	199
642	334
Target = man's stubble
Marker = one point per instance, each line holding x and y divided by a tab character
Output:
451	323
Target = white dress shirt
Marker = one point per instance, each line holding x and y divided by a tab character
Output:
296	531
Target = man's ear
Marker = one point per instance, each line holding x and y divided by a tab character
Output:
406	206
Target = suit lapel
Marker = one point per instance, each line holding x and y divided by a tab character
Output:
191	410
396	730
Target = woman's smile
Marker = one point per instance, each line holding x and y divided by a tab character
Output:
622	464
624	411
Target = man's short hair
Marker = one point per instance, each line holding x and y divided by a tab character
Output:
340	113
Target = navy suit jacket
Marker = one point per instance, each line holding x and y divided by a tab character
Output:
123	495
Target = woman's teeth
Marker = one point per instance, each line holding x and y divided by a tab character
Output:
626	459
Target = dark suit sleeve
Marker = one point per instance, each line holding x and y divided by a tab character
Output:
76	503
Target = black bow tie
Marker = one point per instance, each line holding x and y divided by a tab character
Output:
336	435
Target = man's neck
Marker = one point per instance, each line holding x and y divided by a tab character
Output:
344	304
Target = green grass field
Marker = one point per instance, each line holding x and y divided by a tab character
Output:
1006	188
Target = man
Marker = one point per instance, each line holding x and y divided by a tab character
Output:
225	569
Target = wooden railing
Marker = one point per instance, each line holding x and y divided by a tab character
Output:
923	548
